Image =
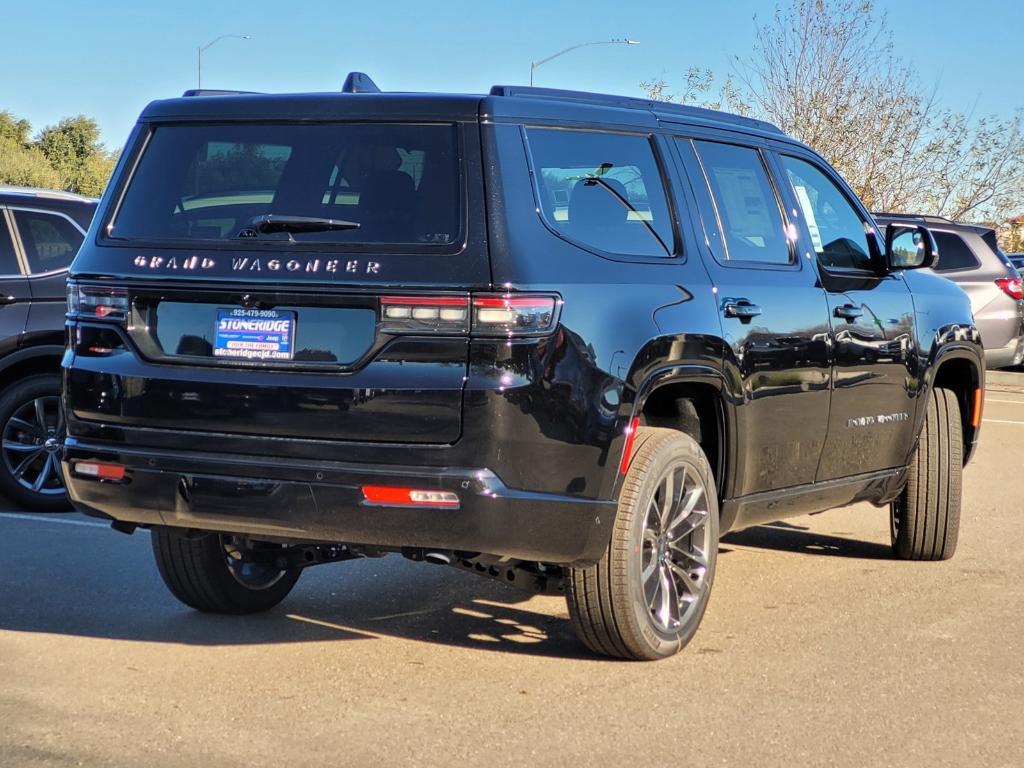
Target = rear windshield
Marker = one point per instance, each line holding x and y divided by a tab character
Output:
384	183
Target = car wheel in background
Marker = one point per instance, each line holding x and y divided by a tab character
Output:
32	428
220	573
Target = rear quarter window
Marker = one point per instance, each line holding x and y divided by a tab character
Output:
602	190
954	253
396	183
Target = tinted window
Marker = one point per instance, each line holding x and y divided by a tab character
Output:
745	202
50	241
603	190
8	261
836	229
398	183
990	240
953	252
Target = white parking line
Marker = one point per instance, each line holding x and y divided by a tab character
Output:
50	519
1011	402
1001	421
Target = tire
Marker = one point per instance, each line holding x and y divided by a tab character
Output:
636	602
925	519
196	571
32	429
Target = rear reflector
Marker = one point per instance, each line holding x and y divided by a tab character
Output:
99	471
627	450
409	497
514	315
1012	287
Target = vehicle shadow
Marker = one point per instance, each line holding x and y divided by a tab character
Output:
785	537
88	582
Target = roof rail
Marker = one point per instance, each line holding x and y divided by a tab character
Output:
213	92
915	216
359	82
55	194
661	109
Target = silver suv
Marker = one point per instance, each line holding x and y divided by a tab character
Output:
970	256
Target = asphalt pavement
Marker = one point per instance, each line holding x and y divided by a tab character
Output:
818	648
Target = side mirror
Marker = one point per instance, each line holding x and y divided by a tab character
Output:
909	247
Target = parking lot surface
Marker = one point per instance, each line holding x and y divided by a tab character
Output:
818	648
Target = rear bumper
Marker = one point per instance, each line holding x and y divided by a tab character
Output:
322	502
1004	357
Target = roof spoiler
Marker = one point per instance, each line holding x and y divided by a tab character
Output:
359	82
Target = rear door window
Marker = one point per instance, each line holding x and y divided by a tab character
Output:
603	190
745	203
953	253
385	183
50	240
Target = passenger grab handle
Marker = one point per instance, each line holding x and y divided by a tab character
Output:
740	308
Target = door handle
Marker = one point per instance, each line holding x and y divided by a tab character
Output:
7	300
741	309
848	312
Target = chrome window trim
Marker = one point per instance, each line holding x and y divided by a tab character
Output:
19	254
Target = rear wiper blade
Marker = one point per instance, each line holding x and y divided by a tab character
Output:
271	223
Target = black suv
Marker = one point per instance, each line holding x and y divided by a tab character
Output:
40	232
559	338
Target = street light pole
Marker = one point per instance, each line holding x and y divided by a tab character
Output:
199	55
613	41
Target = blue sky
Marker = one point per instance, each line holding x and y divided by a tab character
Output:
107	59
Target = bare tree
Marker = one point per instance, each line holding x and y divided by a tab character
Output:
825	72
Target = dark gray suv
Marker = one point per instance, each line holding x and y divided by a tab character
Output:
40	233
970	256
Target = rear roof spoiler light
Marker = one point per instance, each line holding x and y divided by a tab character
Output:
482	314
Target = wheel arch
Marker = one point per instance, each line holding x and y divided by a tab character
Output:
30	361
689	398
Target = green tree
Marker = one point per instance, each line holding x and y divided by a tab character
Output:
13	129
73	149
26	166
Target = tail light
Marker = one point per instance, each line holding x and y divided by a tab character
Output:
1012	287
484	314
392	496
514	314
97	303
424	314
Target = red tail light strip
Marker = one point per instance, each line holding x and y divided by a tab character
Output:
546	302
627	449
425	301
